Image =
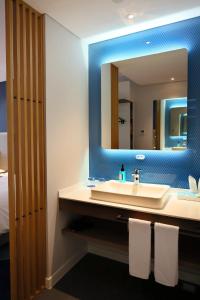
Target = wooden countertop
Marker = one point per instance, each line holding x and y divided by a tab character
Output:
177	208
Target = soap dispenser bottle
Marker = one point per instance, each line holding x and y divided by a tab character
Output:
136	176
122	174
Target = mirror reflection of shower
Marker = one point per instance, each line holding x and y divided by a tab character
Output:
4	207
170	117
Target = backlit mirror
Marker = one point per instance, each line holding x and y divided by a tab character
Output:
144	102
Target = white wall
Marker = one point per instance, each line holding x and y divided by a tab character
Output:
2	42
143	115
67	134
124	129
125	90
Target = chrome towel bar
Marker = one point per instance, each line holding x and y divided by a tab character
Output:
188	232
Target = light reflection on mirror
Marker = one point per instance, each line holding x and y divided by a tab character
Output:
170	124
141	106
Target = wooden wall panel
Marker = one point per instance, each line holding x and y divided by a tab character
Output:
156	126
26	147
114	108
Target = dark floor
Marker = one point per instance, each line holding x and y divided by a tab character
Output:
4	274
98	278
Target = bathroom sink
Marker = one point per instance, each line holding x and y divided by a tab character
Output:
142	194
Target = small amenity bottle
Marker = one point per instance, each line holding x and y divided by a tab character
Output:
122	174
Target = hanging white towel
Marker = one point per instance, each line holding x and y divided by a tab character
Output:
139	248
166	254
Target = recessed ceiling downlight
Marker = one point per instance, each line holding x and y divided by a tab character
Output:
117	1
130	16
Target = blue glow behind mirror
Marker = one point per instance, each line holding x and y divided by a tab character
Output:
159	166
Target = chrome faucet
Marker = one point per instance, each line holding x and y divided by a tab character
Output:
136	176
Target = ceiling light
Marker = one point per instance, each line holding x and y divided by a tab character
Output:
172	78
130	16
117	1
148	42
125	30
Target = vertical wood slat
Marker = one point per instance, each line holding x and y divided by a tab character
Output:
42	138
32	175
43	146
114	108
26	146
25	159
19	202
11	153
36	144
156	124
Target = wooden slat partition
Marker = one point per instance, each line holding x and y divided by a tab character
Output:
114	107
26	147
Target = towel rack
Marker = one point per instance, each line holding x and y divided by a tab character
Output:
186	232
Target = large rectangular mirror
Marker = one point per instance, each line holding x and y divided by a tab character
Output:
144	102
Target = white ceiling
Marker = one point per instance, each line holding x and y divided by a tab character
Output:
87	18
156	68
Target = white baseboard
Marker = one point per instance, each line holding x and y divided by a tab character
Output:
109	252
186	275
189	276
66	267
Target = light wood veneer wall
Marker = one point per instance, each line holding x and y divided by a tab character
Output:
26	148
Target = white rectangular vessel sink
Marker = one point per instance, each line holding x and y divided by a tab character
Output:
142	194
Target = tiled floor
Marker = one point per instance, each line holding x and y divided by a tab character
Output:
98	278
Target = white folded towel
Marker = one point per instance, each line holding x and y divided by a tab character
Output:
166	254
139	248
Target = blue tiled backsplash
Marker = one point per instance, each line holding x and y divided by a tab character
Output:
159	166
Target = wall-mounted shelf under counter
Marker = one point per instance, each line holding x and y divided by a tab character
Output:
114	235
109	233
110	228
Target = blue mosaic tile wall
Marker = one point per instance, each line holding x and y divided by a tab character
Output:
166	167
